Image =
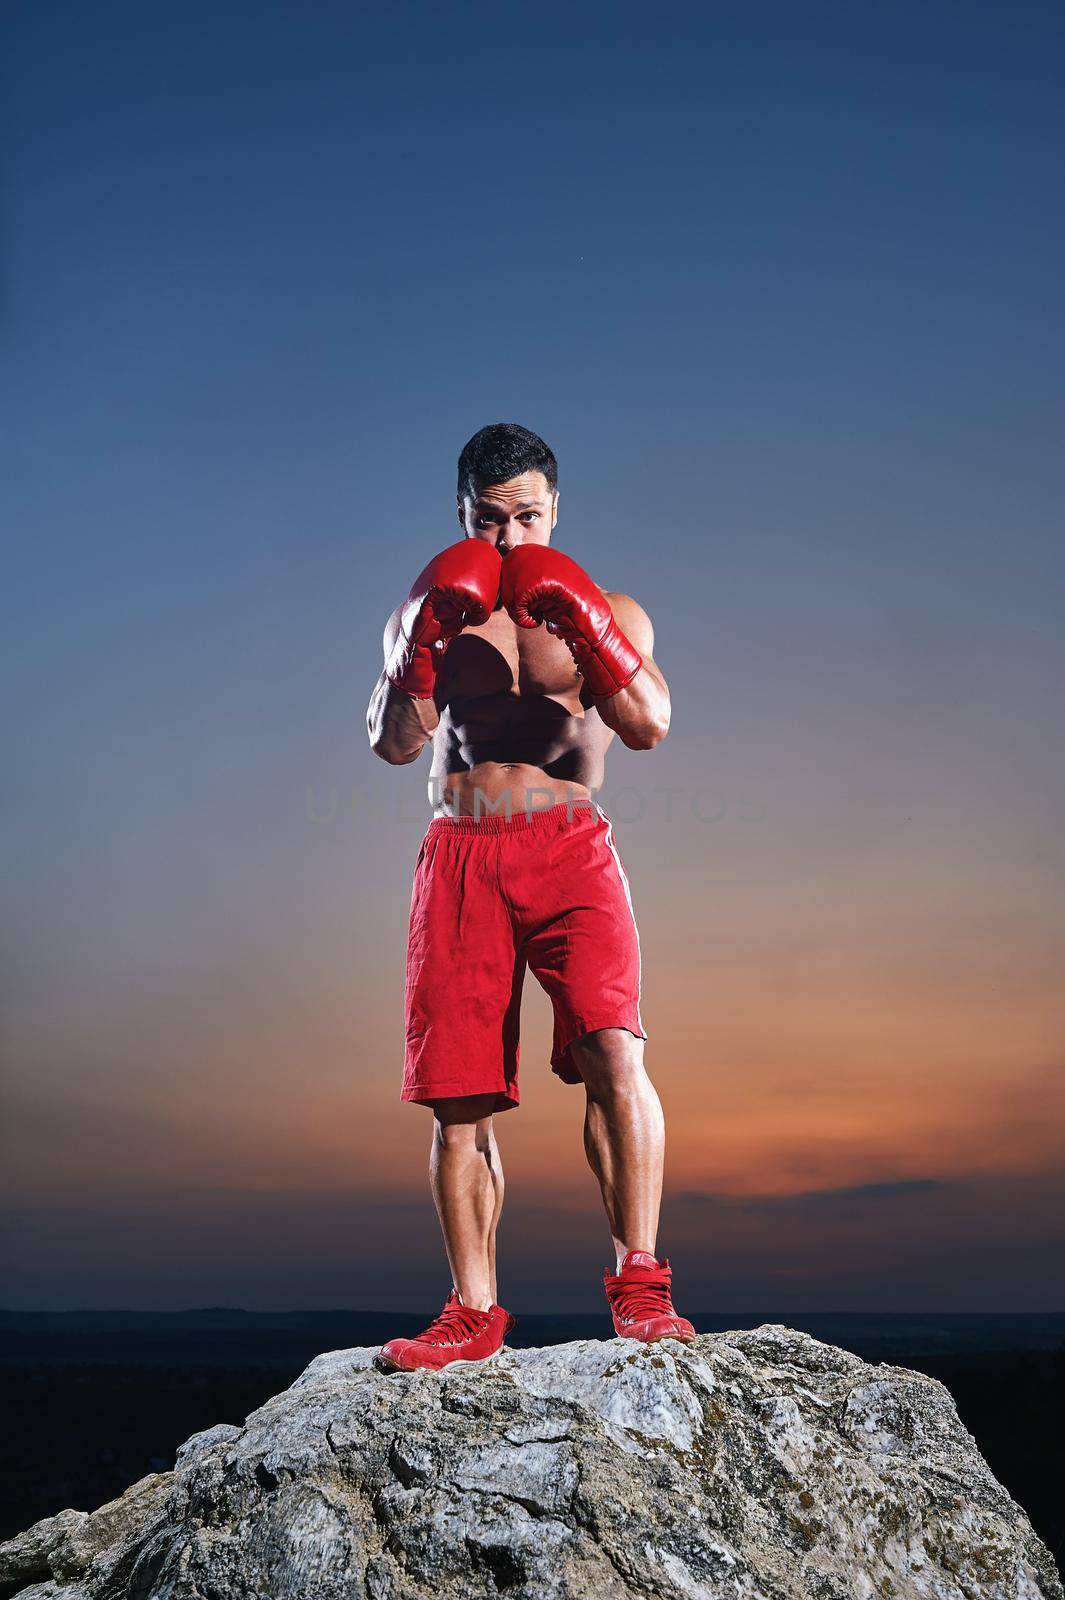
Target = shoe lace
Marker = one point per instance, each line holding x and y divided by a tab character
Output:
637	1298
454	1324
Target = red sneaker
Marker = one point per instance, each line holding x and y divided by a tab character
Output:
459	1333
640	1301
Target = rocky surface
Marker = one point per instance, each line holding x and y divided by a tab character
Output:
748	1466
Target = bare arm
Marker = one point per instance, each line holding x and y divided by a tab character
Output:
639	713
398	725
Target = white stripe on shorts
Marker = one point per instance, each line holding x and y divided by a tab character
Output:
612	847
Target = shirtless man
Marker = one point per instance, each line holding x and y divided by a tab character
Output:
520	670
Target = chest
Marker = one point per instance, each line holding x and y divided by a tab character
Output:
500	657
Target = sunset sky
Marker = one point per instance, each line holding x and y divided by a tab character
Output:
781	286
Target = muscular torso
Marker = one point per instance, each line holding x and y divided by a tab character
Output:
511	718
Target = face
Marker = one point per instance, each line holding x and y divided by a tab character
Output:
521	511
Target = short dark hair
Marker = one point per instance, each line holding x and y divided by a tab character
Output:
501	451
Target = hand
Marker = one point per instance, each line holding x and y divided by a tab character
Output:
544	585
457	590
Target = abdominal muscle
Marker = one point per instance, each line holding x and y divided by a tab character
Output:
500	788
499	752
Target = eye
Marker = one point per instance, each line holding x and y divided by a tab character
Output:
529	516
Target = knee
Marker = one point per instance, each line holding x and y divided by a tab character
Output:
610	1061
463	1125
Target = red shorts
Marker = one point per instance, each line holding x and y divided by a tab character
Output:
493	895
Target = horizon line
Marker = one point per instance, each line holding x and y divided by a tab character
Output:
373	1311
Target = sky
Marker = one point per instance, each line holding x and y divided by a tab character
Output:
781	287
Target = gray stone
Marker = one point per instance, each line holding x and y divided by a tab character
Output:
747	1466
201	1442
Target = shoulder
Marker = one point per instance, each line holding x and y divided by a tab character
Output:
632	619
392	629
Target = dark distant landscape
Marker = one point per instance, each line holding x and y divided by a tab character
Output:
93	1400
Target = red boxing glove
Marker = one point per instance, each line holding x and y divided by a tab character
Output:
543	585
457	590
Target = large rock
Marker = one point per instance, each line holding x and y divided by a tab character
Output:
760	1464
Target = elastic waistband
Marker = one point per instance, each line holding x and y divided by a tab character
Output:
564	814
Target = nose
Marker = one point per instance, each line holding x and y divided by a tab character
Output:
511	535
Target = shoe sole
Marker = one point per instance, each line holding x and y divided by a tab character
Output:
681	1338
389	1367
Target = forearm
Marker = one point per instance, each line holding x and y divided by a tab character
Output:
399	726
639	713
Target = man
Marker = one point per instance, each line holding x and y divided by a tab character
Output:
520	670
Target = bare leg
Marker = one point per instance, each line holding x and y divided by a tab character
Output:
467	1184
624	1135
